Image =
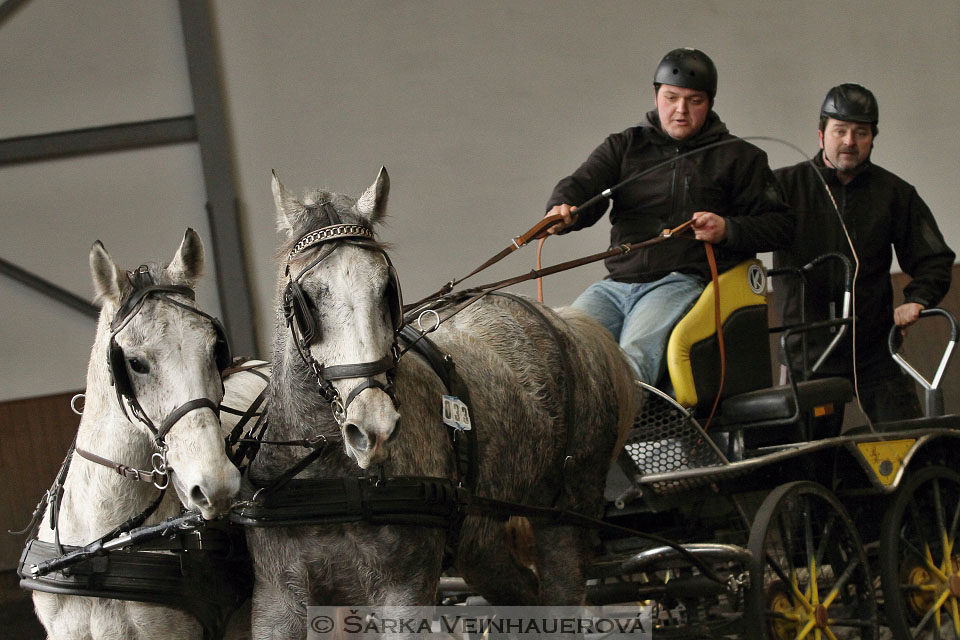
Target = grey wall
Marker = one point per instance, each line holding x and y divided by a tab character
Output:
475	108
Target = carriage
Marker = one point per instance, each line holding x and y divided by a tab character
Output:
749	527
773	528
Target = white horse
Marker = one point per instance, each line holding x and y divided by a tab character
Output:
153	387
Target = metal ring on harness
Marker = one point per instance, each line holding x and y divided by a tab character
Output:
160	470
420	321
73	403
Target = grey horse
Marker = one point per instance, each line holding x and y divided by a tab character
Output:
551	400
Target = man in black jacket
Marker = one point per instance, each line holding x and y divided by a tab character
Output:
878	210
725	184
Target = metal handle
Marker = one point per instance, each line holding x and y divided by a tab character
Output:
895	341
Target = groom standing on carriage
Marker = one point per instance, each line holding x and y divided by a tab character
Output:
679	163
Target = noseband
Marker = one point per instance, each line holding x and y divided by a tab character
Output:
305	331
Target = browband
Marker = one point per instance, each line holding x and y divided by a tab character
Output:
332	232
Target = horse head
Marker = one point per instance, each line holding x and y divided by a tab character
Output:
340	298
164	357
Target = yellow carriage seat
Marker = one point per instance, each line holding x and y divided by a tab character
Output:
693	352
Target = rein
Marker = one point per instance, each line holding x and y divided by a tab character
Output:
476	293
153	476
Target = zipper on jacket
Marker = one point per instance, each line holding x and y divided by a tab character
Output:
675	204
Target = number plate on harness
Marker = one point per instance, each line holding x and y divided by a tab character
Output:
455	413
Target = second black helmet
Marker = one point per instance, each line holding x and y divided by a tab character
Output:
852	103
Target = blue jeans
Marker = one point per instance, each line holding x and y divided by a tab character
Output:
641	315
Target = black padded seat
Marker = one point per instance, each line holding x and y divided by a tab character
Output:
776	403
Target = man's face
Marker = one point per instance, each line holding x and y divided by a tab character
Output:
682	111
846	145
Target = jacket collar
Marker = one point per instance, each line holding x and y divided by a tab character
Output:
831	174
713	129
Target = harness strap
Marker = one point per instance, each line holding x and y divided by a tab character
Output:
465	448
122	469
182	410
715	277
368	383
358	370
248	415
290	473
422	501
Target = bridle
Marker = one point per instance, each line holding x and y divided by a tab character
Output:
305	331
143	288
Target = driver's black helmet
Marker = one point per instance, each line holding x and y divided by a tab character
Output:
852	103
689	68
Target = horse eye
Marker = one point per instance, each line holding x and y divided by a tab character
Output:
139	365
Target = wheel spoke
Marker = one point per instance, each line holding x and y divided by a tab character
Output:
952	532
938	506
786	538
827	535
807	512
956	616
802	598
931	614
841	581
851	622
807	628
829	633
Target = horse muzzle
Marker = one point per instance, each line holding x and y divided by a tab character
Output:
369	423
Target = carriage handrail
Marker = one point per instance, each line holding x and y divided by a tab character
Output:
801	273
933	395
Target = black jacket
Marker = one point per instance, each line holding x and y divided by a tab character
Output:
880	211
732	180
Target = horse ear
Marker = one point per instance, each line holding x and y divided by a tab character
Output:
291	214
107	277
187	264
373	203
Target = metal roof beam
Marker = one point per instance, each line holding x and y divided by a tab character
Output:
132	135
49	289
218	175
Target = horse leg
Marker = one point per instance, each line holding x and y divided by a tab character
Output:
487	564
561	554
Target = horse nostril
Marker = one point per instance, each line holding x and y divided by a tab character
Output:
198	497
357	439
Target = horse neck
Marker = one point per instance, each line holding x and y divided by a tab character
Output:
96	498
295	411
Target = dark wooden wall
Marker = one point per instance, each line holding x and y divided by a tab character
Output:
34	436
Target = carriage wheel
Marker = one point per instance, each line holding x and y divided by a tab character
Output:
919	562
808	571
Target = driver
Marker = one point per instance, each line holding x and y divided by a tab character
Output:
728	189
879	210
